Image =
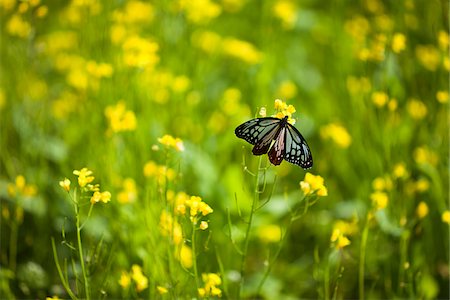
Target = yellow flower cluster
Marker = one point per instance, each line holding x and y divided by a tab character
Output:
197	208
337	133
286	11
136	275
422	210
339	239
84	181
210	289
213	43
139	52
119	118
171	142
160	173
128	193
313	184
269	233
21	188
379	199
283	109
199	11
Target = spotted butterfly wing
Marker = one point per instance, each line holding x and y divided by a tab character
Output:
289	143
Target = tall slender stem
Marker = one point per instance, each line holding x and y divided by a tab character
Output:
194	255
80	249
362	259
13	241
249	225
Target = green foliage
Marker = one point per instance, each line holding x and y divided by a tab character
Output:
99	84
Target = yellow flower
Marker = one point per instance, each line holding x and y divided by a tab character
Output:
124	280
170	141
400	171
84	176
286	11
119	118
185	256
443	40
262	112
422	210
104	197
337	133
139	52
422	185
428	56
199	11
41	11
269	233
417	109
211	281
241	50
379	199
65	184
313	184
442	96
7	5
16	26
129	192
357	86
136	12
398	42
283	110
287	90
162	290
203	225
380	98
208	41
446	216
339	239
139	278
52	298
425	155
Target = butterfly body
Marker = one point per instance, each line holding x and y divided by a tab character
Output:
279	139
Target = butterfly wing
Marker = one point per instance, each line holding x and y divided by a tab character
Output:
277	152
259	132
296	149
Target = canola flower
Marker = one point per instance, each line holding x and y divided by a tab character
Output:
136	276
313	184
337	133
445	217
379	199
269	233
211	282
128	193
171	142
119	118
338	239
283	110
422	210
162	290
286	12
21	188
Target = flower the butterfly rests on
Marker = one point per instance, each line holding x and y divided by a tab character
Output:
289	143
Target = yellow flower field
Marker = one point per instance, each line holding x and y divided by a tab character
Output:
121	176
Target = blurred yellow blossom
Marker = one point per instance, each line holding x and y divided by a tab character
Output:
337	133
140	52
171	142
380	98
203	225
129	192
65	184
416	109
42	11
339	239
313	184
84	176
442	96
135	12
21	188
210	289
207	41
241	50
286	11
269	233
99	70
446	216
428	56
16	26
398	42
139	278
379	199
425	155
119	118
233	5
392	104
185	256
125	279
382	183
358	85
104	197
400	171
443	40
262	112
2	99
7	4
161	173
180	84
357	27
422	185
199	11
170	227
162	290
287	90
422	210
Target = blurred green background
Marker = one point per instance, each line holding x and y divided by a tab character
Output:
94	84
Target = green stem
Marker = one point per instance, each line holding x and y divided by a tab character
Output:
194	255
13	242
362	259
58	267
80	251
327	279
249	226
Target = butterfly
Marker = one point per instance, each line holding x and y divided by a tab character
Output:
289	143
